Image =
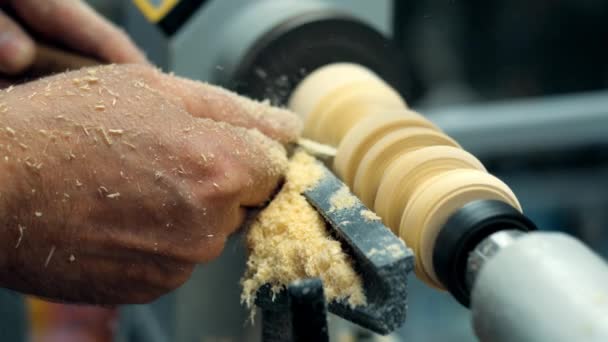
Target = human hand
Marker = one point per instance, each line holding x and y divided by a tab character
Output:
71	23
115	181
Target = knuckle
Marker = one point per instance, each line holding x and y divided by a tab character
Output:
224	180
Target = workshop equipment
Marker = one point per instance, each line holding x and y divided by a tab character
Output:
466	227
263	48
378	133
298	313
382	260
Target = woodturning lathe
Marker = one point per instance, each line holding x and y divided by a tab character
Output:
465	226
376	136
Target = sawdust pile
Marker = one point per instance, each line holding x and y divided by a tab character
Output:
289	241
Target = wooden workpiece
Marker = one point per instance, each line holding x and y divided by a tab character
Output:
408	170
396	161
323	81
331	105
371	168
366	133
348	104
432	203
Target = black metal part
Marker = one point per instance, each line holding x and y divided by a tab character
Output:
282	57
380	257
298	313
308	310
464	230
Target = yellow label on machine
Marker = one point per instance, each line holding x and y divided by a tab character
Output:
155	10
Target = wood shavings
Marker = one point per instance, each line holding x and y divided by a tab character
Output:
317	149
48	258
342	199
110	91
289	241
106	138
102	190
91	79
116	131
21	232
33	166
369	215
10	131
113	195
129	145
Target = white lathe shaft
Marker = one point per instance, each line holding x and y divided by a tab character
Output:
541	287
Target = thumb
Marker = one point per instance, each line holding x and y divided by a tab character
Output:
79	27
17	50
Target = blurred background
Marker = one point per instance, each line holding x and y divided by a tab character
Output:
519	83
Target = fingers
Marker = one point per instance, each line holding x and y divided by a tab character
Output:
17	50
247	165
267	162
75	24
239	168
207	101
